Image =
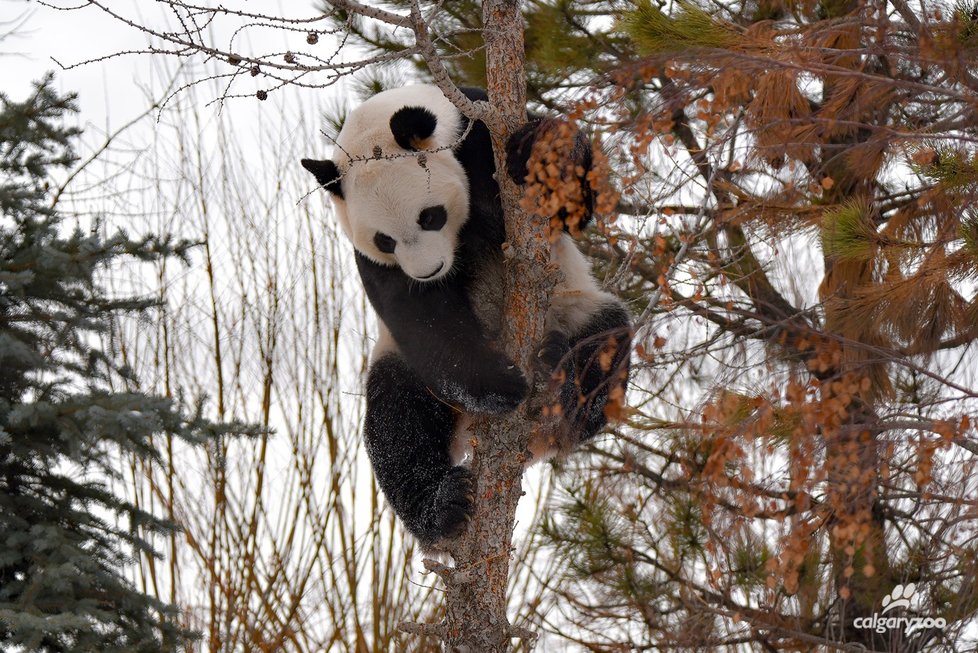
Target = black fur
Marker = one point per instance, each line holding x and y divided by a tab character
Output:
326	173
440	338
411	125
407	436
607	331
486	230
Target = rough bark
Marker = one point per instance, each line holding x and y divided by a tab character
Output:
475	588
852	450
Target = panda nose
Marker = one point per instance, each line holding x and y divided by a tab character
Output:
437	270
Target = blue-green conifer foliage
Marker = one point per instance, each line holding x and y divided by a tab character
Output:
68	540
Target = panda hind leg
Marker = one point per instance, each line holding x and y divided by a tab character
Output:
408	433
601	349
555	360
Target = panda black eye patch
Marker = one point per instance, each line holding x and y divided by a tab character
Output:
433	218
384	243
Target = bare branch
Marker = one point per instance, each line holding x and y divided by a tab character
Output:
472	110
431	630
372	12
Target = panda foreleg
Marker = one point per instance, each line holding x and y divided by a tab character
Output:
441	339
408	433
601	349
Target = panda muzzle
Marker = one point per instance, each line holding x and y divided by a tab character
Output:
437	270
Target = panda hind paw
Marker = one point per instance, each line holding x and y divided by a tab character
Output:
451	506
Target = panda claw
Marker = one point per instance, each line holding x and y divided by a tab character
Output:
451	508
552	350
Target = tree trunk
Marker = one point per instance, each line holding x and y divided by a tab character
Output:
475	597
856	526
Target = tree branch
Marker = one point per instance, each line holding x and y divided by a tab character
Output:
372	12
439	75
475	589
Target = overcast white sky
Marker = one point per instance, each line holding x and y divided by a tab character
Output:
108	88
115	89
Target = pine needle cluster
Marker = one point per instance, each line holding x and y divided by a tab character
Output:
689	27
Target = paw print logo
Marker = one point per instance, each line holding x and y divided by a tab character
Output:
899	597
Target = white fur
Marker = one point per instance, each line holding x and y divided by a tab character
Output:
369	124
385	343
460	451
387	194
577	297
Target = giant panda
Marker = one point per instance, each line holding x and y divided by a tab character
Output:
413	186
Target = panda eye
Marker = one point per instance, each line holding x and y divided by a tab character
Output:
384	243
433	218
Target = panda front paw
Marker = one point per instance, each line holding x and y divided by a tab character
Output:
450	508
554	368
552	351
499	391
490	384
519	147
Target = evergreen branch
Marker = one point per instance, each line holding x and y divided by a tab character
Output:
908	15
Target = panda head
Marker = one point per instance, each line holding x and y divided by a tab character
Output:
400	194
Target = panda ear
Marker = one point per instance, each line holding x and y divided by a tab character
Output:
412	127
326	173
